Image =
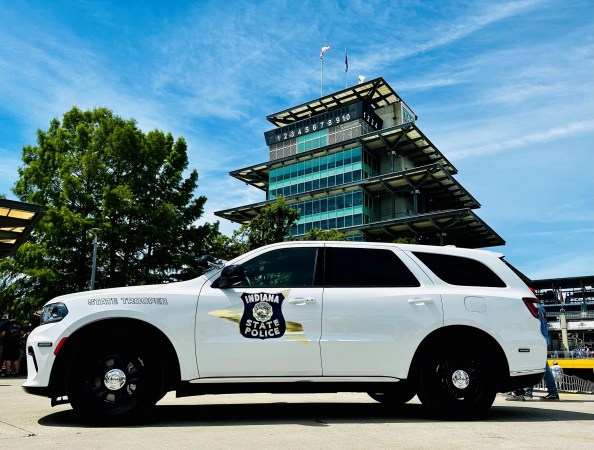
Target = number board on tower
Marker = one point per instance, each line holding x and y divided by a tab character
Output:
361	110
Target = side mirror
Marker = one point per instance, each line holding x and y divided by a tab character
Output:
231	275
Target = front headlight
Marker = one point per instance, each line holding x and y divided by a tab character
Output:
54	312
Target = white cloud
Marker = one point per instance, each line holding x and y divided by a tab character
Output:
548	135
562	264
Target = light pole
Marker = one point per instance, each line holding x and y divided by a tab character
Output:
95	231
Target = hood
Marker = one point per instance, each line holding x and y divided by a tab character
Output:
128	290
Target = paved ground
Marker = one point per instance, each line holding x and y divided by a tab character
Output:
320	421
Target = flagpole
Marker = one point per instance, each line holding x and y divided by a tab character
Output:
346	69
321	77
325	48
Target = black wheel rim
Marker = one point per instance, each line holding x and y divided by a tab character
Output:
104	398
475	389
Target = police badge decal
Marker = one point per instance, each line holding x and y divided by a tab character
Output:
262	316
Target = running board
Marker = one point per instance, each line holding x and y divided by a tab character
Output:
297	385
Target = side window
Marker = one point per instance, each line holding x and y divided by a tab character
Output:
282	267
366	267
460	271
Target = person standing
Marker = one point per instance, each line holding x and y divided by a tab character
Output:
12	332
557	371
549	379
3	320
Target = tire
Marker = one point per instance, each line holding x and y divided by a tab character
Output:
400	394
114	381
457	385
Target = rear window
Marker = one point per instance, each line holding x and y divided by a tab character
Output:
460	271
366	267
522	277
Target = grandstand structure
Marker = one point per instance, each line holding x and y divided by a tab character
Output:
569	303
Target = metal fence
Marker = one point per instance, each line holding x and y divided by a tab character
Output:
570	383
572	354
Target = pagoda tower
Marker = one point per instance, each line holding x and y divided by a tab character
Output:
355	160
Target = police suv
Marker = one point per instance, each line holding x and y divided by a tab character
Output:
453	326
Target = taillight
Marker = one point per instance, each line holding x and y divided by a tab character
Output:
531	303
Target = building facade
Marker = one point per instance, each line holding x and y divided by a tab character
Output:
355	160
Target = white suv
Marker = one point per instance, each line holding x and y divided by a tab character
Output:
453	326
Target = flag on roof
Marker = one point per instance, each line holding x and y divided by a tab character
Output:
325	48
346	61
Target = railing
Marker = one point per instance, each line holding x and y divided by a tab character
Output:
571	354
571	315
570	383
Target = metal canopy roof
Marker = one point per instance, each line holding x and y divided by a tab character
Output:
376	92
434	182
406	140
17	219
564	283
460	227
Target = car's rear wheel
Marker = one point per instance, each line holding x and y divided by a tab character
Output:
397	395
111	380
457	384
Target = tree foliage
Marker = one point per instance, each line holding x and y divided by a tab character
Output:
405	240
271	225
96	170
317	234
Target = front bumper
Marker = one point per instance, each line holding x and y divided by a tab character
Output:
41	345
37	390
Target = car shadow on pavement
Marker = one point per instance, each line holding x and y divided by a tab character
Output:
309	414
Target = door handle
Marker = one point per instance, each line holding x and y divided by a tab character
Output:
302	301
420	301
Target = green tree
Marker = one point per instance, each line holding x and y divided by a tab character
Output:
227	248
270	226
317	234
96	170
405	240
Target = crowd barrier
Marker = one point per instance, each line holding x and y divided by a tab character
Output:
570	383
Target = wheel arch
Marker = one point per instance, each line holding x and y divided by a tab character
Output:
123	328
462	335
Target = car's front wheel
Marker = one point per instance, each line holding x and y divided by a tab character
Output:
457	384
114	381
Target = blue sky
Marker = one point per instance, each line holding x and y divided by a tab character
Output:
505	89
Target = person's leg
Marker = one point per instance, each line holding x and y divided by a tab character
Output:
553	393
17	366
8	363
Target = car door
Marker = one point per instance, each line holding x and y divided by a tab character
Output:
377	309
268	324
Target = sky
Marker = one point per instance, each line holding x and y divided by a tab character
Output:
504	89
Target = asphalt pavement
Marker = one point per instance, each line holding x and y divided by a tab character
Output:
295	421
